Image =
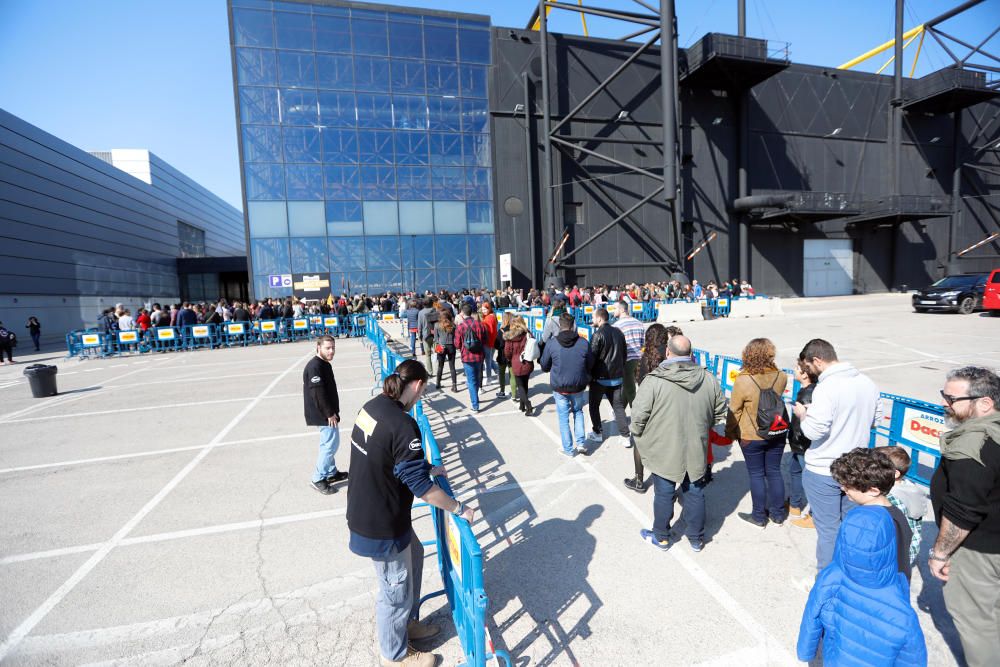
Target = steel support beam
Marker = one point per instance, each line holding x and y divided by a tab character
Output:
614	222
607	158
630	17
549	223
529	155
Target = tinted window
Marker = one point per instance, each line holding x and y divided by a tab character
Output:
996	278
957	282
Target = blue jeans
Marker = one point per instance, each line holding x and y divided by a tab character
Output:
489	360
329	443
767	488
566	403
399	577
663	507
796	494
413	343
473	375
828	505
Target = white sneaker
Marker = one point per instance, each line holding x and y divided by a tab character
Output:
626	441
594	436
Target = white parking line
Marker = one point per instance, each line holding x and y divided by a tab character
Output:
36	617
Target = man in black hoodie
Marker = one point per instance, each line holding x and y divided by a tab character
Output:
322	408
607	344
569	361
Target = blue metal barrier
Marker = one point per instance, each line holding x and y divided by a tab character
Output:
166	338
915	425
236	333
201	336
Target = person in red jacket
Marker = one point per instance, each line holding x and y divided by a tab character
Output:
489	345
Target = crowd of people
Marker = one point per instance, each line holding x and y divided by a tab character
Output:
670	411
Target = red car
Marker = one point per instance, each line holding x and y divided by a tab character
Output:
991	294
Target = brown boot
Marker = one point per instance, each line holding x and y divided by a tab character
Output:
804	522
414	658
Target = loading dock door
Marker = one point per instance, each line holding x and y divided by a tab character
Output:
828	267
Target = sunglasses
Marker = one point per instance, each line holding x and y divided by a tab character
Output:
950	400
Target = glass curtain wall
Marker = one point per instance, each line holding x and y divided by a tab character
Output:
366	146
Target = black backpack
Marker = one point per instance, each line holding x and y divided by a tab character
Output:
772	414
471	341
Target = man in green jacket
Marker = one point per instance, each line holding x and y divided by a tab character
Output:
676	406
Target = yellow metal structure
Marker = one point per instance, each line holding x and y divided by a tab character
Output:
905	44
909	34
583	19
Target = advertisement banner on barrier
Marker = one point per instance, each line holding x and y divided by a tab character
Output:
537	311
583	332
722	303
730	369
200	331
165	334
923	428
454	538
268	325
389	317
128	336
637	307
300	325
90	340
588	310
330	321
539	324
234	329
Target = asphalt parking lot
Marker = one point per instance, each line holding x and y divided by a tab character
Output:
158	511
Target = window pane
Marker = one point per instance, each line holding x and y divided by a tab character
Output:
374	111
484	278
261	143
423	253
478	183
408	76
259	105
302	144
343	211
333	34
480	216
347	254
270	256
427	281
453	277
448	183
473	80
299	107
304	181
442	79
375	146
337	110
378	183
449	218
446	149
384	281
441	43
445	114
296	69
416	217
294	31
256	67
370	37
475	116
348	282
481	250
381	217
371	74
413	183
411	148
406	40
382	252
336	72
306	218
253	28
409	112
262	288
343	183
265	181
474	46
340	146
345	228
267	218
476	150
309	254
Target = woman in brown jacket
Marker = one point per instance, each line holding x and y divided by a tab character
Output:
514	341
762	455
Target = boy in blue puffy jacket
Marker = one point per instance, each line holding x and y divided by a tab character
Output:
860	603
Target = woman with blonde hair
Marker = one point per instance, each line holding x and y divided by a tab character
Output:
756	399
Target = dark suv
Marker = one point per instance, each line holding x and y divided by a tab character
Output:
962	293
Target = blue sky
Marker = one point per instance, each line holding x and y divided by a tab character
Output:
156	74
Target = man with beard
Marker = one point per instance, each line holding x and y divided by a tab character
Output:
965	494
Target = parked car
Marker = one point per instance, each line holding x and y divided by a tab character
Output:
961	293
991	295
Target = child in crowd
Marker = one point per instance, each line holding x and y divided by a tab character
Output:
860	604
867	476
907	496
798	444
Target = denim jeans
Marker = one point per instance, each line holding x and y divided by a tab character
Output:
767	488
828	505
399	577
329	443
796	494
565	404
490	361
663	507
413	343
473	376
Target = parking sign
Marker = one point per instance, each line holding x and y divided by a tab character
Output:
280	280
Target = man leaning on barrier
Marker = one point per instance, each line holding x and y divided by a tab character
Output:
388	469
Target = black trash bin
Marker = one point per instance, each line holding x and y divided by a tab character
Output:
42	379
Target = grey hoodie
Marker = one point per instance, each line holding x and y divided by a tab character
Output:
676	405
845	405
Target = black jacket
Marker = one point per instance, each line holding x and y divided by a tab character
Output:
797	442
969	495
607	344
319	393
241	315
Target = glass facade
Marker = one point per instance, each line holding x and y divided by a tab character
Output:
366	146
